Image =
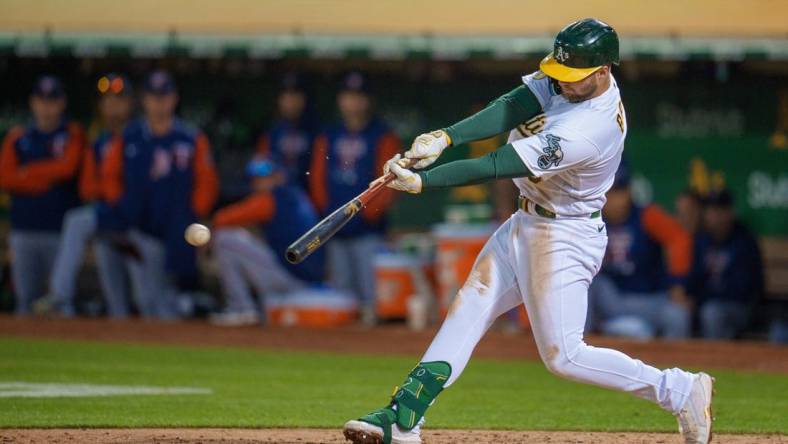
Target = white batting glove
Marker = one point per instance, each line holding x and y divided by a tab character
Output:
406	179
427	147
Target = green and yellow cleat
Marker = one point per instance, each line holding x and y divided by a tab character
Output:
380	427
400	422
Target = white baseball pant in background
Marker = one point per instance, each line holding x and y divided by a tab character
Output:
31	262
79	228
243	259
351	266
153	289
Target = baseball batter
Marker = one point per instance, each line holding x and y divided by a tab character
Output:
547	253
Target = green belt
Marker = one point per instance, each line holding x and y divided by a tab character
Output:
522	203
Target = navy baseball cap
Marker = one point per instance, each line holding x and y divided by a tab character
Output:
159	82
719	198
114	83
48	87
355	81
293	82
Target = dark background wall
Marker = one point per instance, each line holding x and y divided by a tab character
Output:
694	122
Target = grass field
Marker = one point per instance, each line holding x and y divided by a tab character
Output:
299	389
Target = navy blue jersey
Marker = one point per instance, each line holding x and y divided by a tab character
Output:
648	252
39	170
343	165
730	270
289	145
168	182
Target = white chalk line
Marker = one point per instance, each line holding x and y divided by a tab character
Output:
16	389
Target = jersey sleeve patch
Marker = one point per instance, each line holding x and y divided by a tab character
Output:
553	151
553	155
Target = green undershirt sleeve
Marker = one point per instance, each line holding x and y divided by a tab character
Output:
503	163
500	115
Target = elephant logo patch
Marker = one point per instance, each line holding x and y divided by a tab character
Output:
553	154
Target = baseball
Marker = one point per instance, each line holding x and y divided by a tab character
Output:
197	235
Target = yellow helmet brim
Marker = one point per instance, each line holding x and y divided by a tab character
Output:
550	66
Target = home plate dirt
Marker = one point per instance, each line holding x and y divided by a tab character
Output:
306	436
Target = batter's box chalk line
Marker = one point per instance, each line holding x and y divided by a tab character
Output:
16	389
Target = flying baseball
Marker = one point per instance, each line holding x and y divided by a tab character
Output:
197	235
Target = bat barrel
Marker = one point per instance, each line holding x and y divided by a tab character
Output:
326	228
304	246
320	233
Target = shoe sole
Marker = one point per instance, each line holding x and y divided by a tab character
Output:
355	432
360	432
711	411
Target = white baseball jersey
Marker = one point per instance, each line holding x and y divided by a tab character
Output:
575	157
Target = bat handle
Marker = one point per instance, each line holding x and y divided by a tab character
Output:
376	185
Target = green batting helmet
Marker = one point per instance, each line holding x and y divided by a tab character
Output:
580	49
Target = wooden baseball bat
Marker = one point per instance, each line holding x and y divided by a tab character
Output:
328	227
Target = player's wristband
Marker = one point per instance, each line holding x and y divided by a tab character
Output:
448	137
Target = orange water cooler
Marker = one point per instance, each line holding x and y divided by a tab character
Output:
312	307
456	249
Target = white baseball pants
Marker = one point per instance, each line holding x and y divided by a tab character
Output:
548	264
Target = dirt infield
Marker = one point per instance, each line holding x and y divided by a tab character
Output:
756	356
306	436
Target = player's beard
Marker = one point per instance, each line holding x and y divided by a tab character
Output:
577	98
578	95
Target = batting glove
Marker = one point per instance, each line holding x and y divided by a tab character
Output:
406	179
427	147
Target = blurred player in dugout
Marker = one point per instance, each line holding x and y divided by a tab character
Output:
727	279
288	142
280	211
99	220
162	170
38	168
641	289
277	206
346	158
